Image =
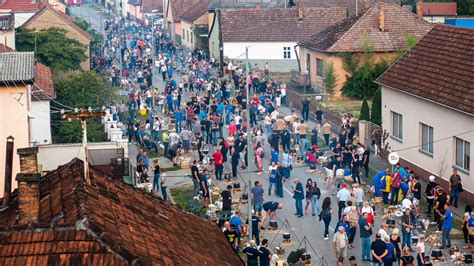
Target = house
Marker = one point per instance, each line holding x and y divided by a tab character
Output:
132	9
23	9
65	218
354	7
428	106
382	26
16	79
271	34
194	26
152	7
436	12
7	29
48	17
40	108
172	11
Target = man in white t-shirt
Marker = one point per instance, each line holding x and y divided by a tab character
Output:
406	202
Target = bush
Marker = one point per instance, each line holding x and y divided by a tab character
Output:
364	111
376	113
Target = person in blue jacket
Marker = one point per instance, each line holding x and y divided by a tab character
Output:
378	184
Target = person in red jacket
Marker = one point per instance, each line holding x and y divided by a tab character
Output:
218	164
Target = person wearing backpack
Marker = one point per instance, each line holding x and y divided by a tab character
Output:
395	188
407	259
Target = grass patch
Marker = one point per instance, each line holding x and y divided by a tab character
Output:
344	105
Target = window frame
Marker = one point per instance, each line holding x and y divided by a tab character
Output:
319	67
426	146
465	166
399	121
308	62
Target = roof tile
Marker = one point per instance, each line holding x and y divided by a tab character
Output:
17	67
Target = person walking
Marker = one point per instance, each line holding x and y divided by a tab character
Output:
218	164
340	243
420	250
308	196
325	216
257	197
465	231
156	175
343	195
447	219
305	108
365	232
298	195
164	186
407	226
235	158
272	171
326	130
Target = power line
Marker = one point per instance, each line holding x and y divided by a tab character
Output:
431	142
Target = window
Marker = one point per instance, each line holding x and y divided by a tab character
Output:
397	126
286	52
463	154
308	62
426	138
319	67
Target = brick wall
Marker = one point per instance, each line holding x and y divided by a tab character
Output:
28	201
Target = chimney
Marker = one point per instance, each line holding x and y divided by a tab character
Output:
381	17
258	5
8	172
419	8
28	186
300	12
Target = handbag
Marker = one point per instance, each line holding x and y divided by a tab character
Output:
460	189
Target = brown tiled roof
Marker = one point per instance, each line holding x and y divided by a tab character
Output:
276	24
150	5
439	68
195	11
350	35
4	48
21	5
439	9
108	223
43	88
66	18
349	4
180	6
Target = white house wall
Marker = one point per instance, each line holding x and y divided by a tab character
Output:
21	18
40	123
8	37
446	124
262	52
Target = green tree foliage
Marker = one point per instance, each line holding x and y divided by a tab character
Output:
329	79
96	38
410	41
82	23
364	111
376	112
71	132
83	90
53	48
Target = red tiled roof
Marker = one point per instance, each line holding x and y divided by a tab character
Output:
108	223
349	4
180	6
195	11
66	18
43	88
276	24
150	5
439	9
439	68
351	34
21	5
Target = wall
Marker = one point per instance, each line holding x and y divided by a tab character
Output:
14	121
434	19
52	156
214	36
446	123
186	26
40	122
262	52
48	20
8	37
21	18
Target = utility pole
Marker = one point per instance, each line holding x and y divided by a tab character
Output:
153	44
84	114
247	111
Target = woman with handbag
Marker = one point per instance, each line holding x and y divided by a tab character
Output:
370	212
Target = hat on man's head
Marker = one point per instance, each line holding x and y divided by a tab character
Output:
344	185
432	178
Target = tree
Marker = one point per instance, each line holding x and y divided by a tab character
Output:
364	111
82	23
376	112
410	41
71	132
350	62
83	90
329	79
52	48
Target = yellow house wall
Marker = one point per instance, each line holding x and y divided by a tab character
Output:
49	20
340	73
14	121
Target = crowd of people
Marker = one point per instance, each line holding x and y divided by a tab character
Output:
196	113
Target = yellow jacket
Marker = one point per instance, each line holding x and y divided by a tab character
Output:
388	183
